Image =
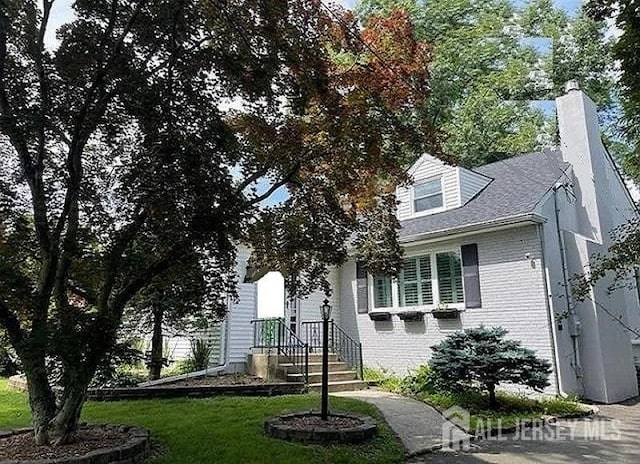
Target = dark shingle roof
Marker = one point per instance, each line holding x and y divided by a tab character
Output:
518	185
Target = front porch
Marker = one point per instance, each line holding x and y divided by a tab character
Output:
279	352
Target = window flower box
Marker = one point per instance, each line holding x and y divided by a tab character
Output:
380	316
411	316
447	313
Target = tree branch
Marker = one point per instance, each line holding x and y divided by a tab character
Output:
285	180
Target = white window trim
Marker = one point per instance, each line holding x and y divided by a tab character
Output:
395	291
412	198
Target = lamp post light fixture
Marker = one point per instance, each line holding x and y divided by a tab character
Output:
325	310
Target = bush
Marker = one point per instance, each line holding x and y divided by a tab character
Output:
201	352
483	358
421	380
384	378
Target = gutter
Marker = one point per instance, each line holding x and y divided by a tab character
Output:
481	226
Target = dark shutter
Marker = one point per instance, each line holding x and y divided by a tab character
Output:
362	292
471	276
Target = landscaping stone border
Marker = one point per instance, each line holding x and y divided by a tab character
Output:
181	391
135	451
276	428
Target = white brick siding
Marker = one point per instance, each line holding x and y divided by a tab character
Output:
513	297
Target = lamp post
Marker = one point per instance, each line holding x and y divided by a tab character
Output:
325	310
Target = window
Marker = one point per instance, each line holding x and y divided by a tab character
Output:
449	277
427	195
415	286
427	280
382	296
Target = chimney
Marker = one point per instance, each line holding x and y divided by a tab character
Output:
582	147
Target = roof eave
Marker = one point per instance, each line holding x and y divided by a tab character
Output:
477	227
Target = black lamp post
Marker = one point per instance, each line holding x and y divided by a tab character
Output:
325	310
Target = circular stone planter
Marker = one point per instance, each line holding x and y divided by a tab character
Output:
308	427
134	449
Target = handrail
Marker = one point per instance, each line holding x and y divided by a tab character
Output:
347	349
273	333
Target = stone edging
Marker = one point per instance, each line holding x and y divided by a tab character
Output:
179	391
366	430
134	451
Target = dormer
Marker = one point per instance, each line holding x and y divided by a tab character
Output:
437	187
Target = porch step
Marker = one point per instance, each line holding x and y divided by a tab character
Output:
314	367
316	377
347	385
313	358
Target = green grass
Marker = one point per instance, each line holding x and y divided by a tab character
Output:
224	429
512	410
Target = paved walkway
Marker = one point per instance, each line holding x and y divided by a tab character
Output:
418	425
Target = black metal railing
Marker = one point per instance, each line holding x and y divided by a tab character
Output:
347	349
274	334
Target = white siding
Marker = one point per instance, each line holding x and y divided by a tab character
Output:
179	347
471	183
513	297
428	167
310	306
240	315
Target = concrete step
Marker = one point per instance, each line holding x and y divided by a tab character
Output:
335	376
315	367
313	358
347	385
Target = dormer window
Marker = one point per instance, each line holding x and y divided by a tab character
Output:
427	195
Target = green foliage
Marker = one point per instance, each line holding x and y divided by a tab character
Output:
624	14
512	409
130	171
384	379
121	367
483	358
201	352
421	380
221	429
483	76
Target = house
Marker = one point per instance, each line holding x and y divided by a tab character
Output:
497	246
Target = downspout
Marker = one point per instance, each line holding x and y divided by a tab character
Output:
574	322
550	318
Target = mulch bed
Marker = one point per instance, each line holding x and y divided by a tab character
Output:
88	438
316	423
227	379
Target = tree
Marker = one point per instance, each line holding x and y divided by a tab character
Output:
625	49
483	357
485	73
179	298
156	130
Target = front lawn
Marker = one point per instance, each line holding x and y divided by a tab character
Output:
224	429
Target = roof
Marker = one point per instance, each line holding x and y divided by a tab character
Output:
518	185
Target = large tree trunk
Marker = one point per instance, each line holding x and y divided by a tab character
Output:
157	360
41	400
65	422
